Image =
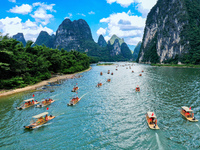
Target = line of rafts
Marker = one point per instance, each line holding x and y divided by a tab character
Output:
185	111
43	118
101	73
100	84
75	99
109	72
31	102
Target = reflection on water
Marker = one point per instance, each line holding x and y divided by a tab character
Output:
111	116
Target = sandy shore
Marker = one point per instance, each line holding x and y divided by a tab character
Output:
42	83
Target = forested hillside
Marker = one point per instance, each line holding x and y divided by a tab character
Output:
172	32
21	66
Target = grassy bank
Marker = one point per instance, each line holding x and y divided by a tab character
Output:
105	64
177	65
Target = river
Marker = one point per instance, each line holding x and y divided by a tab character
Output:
111	116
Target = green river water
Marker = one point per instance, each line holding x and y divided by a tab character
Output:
112	116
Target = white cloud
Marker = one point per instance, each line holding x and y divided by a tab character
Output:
81	14
143	6
107	38
125	26
69	16
91	13
123	3
41	15
101	31
15	25
133	41
14	1
23	9
45	6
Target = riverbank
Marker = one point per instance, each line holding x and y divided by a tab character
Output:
105	64
42	83
176	65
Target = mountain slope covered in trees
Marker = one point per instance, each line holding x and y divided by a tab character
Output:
76	35
172	32
21	66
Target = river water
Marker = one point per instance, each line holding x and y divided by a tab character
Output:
112	116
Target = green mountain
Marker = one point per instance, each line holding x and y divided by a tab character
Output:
45	38
126	52
72	35
20	37
172	32
76	35
101	41
114	37
136	51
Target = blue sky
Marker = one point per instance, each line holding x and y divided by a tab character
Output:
125	18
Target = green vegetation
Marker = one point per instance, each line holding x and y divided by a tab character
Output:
187	13
114	37
150	54
136	51
44	39
104	64
177	65
21	66
97	53
192	31
126	51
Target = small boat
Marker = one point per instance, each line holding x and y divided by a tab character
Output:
112	73
137	89
99	84
188	114
152	120
28	103
140	74
129	67
75	89
108	80
74	101
142	71
101	73
39	120
108	71
116	69
132	71
45	102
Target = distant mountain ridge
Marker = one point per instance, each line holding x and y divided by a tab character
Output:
136	51
114	37
20	37
101	41
76	35
46	39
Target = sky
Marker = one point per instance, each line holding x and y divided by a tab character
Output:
125	18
